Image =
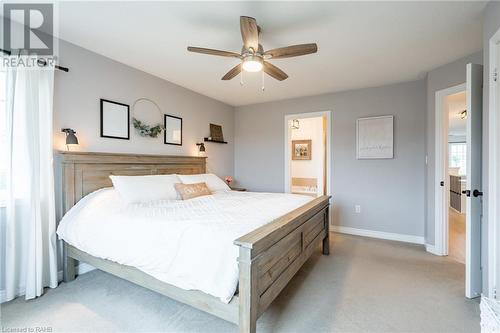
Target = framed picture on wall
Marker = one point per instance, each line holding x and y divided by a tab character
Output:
173	130
301	149
115	120
375	137
216	132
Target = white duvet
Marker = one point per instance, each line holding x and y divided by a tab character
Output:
188	244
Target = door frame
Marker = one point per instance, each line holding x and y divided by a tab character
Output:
441	198
493	194
328	116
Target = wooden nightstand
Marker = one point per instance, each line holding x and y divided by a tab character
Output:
239	189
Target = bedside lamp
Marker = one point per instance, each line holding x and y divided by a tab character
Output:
201	150
71	138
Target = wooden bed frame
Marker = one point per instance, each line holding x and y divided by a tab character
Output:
268	257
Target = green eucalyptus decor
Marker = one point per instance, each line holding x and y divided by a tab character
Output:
146	130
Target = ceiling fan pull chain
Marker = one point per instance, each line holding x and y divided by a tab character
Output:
241	78
263	83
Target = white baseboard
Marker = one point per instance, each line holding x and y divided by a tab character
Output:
84	268
379	234
80	269
432	249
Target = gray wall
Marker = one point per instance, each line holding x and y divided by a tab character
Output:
92	76
390	192
490	27
440	78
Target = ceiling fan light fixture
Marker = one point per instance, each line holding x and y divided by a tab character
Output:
253	57
252	64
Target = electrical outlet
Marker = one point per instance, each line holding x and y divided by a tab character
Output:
357	209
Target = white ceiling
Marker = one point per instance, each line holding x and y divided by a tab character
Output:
361	44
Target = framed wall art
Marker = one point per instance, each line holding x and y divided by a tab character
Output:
375	137
173	130
301	149
216	133
115	120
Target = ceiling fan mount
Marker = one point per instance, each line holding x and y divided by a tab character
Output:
253	57
244	51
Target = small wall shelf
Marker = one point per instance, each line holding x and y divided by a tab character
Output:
216	141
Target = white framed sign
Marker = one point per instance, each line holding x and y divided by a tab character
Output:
375	137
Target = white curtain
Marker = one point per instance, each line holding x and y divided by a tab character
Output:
30	253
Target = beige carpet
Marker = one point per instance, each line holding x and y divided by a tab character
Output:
365	285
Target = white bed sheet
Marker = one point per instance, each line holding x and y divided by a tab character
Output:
188	244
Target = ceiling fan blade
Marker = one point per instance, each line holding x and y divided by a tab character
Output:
274	71
213	52
292	51
249	32
232	73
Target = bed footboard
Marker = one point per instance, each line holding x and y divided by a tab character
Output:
272	254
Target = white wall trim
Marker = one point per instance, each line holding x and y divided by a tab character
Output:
379	234
493	194
80	269
441	171
84	268
431	249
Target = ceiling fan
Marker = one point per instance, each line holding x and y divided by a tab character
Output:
253	57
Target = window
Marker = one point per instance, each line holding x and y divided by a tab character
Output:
3	141
458	156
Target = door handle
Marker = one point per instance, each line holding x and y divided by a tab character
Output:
466	192
477	193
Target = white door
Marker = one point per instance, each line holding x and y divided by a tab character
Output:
494	246
473	276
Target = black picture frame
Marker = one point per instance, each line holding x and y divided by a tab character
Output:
165	132
103	135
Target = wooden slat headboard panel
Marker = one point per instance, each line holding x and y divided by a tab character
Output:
85	172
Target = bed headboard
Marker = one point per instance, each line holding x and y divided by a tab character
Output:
84	172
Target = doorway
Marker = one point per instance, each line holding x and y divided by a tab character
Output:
458	194
455	106
307	153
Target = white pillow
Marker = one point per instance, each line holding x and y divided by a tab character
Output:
213	182
146	188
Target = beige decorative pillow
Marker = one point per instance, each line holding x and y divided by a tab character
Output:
190	191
